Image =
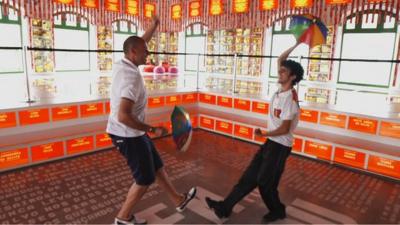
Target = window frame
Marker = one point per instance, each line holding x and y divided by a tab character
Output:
359	30
5	20
190	34
68	27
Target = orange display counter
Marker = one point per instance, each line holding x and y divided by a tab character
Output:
231	115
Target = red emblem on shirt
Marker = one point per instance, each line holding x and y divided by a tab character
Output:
277	113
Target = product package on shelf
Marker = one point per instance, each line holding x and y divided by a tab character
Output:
319	70
161	72
164	42
42	37
318	95
103	85
242	41
43	86
104	42
160	77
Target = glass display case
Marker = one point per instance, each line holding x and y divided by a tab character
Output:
42	37
221	68
104	42
164	42
319	71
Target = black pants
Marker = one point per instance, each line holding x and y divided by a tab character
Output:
264	172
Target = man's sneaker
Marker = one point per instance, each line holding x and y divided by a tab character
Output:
271	217
217	207
188	197
131	221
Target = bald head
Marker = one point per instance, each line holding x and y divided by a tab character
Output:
133	42
135	50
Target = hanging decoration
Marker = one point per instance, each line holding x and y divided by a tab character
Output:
336	2
301	3
66	2
216	7
112	5
214	14
176	11
268	5
149	10
194	8
132	7
90	3
241	6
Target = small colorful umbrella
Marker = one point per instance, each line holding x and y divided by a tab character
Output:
308	29
181	128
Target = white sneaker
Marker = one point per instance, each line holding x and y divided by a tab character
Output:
188	197
132	221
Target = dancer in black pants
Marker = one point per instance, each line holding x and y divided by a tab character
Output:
267	166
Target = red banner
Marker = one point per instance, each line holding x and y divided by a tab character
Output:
268	4
90	3
194	8
112	5
241	6
67	2
216	7
132	7
176	11
149	10
301	3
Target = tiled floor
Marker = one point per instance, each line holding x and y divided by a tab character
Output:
91	188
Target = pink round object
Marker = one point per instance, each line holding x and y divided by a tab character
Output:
173	69
159	70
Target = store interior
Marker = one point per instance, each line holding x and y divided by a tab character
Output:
216	59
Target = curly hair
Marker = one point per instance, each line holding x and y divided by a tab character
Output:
295	69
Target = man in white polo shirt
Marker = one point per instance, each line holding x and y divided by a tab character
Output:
127	129
268	164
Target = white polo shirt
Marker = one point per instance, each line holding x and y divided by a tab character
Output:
126	83
284	106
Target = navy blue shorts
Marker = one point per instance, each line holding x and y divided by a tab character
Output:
141	156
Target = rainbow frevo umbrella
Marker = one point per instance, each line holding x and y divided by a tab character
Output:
181	128
309	30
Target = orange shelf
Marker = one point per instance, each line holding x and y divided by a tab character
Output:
13	158
242	104
208	99
310	116
332	119
64	113
390	129
207	122
224	127
349	157
154	102
381	165
47	151
321	151
8	119
92	109
225	101
80	144
243	131
260	107
34	116
363	125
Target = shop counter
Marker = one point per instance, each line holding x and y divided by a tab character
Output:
329	133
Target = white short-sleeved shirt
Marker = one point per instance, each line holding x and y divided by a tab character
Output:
284	106
126	83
